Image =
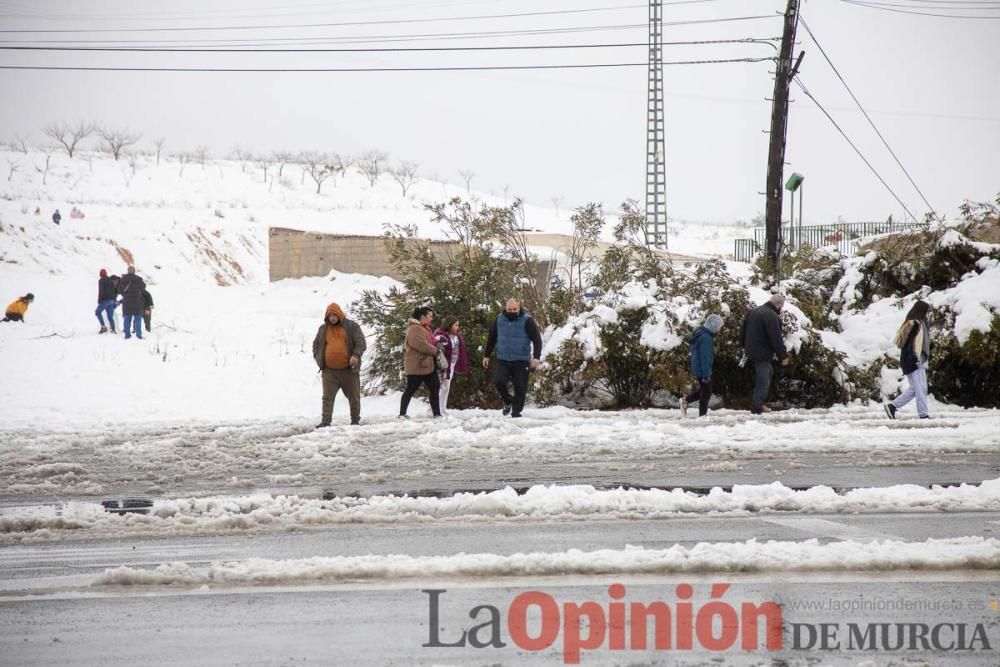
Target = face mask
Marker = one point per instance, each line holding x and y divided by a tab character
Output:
510	315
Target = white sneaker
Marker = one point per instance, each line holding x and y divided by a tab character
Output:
684	407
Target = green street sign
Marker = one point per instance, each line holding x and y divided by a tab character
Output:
794	181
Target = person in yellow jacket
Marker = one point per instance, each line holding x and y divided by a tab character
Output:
16	310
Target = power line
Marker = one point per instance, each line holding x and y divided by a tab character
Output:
323	7
916	13
288	70
330	25
746	40
361	39
865	113
353	39
363	23
856	149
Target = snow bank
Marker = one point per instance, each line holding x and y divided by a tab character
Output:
749	556
541	503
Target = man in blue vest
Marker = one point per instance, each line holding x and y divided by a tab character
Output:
518	343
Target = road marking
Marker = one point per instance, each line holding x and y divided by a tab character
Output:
826	528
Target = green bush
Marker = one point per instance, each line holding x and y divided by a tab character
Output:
470	283
968	374
631	374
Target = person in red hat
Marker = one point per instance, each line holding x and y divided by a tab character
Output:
106	296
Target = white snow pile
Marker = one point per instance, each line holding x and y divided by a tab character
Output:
749	556
540	503
660	331
867	335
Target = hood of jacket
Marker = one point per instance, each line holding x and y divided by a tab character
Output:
334	309
699	332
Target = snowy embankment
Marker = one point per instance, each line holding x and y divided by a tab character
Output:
749	556
220	515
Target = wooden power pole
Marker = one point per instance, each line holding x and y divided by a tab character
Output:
785	72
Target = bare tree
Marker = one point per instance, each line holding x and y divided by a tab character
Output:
20	144
342	161
14	165
281	158
588	221
45	172
201	155
244	156
405	174
264	162
183	158
318	166
371	165
117	138
467	177
556	202
69	136
159	148
510	226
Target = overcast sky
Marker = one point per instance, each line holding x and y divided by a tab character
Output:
929	84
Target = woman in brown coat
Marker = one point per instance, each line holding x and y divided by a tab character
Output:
419	351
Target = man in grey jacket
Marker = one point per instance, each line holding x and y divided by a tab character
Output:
337	349
762	342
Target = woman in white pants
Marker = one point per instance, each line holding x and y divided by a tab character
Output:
914	341
449	337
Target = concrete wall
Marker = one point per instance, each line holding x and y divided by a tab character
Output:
294	254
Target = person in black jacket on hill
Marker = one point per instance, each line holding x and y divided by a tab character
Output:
131	287
147	309
106	301
762	342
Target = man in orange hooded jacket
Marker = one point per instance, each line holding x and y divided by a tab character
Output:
337	349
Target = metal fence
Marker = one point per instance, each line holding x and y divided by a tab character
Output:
844	237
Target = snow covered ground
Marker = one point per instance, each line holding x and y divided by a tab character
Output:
226	343
209	421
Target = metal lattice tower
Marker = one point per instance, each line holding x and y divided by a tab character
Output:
656	170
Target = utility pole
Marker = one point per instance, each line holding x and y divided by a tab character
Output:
784	73
656	170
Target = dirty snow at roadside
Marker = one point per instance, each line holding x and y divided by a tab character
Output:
223	514
195	458
750	556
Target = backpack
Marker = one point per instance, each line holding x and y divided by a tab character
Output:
441	361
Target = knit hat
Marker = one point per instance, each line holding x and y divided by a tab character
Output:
29	296
713	323
104	273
